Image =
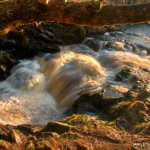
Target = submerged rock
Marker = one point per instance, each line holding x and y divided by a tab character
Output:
126	75
92	43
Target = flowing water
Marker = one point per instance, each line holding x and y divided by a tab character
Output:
42	89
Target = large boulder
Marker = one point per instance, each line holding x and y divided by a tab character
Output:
47	37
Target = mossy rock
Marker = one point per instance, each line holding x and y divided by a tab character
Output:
58	127
43	145
143	128
118	109
137	113
4	145
30	146
71	135
140	91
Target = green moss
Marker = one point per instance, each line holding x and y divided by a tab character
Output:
79	119
118	109
71	135
136	112
43	145
143	128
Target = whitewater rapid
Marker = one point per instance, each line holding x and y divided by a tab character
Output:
42	89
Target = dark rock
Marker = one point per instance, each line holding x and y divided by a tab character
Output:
92	43
14	136
7	61
81	147
126	75
7	44
137	113
43	145
95	103
69	33
4	133
139	91
58	127
26	129
30	39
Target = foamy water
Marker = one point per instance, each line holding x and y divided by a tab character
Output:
42	89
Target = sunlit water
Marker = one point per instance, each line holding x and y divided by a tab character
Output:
42	89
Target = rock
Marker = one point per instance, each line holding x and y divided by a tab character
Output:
92	43
5	145
7	61
140	91
30	146
97	102
143	128
69	33
28	129
137	112
14	136
118	109
120	46
43	145
58	127
28	40
71	135
126	75
4	133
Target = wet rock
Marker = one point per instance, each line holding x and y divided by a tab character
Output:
97	101
28	40
7	61
81	147
43	145
71	135
137	112
28	129
30	146
118	109
58	127
141	91
92	43
4	133
7	44
69	33
126	75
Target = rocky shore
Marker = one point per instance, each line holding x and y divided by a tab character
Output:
95	121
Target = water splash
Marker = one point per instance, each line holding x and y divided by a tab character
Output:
38	91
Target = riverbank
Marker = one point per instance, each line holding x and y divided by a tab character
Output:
77	13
